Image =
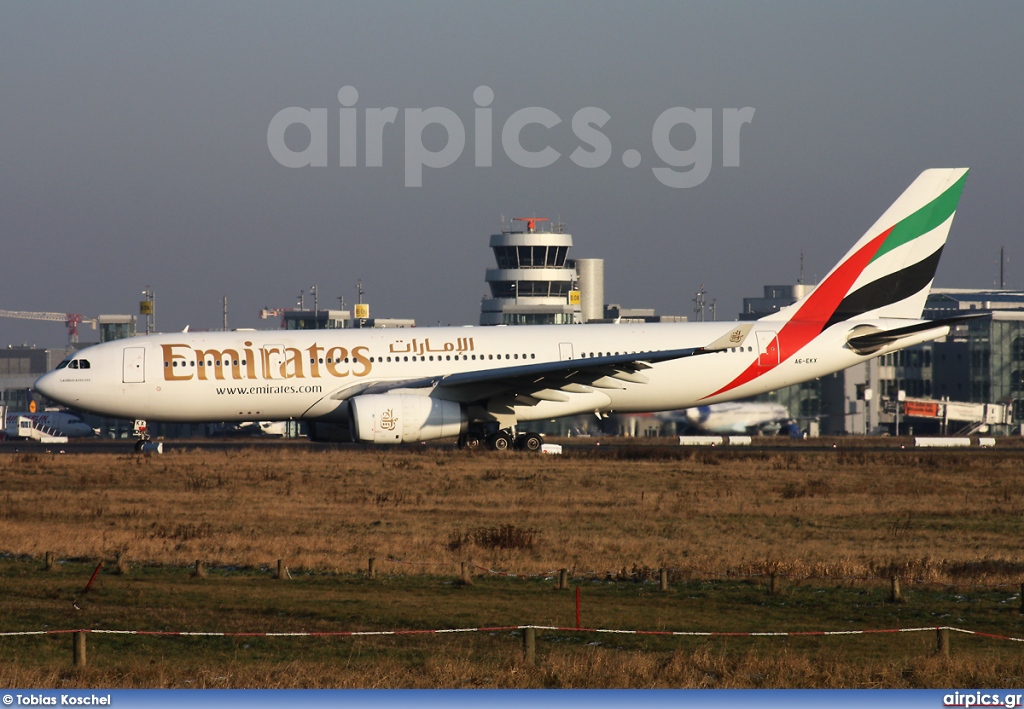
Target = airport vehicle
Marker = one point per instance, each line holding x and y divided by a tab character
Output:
481	383
45	423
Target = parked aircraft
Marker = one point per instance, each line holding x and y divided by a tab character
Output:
54	423
482	383
735	417
253	428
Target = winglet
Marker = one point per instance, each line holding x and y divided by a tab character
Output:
730	339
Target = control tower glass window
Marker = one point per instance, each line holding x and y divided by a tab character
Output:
560	252
506	256
503	289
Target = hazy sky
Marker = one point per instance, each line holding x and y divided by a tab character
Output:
134	148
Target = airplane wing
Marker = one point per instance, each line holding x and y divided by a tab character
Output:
531	383
552	381
498	389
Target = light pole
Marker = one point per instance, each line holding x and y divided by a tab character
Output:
147	307
316	306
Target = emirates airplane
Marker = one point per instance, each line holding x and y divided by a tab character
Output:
481	383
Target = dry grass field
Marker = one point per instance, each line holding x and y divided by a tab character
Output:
827	522
945	516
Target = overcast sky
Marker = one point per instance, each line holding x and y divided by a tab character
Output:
134	148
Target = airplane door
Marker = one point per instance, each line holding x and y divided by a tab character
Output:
768	349
565	351
134	365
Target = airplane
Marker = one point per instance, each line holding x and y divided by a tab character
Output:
480	384
55	423
735	417
253	428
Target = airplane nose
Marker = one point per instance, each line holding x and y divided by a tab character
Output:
47	386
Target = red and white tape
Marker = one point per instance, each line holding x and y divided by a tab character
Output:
508	628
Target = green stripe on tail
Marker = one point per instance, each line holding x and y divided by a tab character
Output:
923	220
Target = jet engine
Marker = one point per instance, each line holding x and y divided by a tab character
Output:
404	418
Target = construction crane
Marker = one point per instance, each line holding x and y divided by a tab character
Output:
70	320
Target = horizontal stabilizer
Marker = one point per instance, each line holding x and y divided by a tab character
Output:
871	342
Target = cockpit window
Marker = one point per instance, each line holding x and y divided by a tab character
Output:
73	364
63	364
84	364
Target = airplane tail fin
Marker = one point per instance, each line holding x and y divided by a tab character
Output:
888	272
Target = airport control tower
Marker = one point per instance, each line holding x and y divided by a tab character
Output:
535	283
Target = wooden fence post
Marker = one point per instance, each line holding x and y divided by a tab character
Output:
894	595
773	584
200	570
563	579
943	641
48	563
530	645
282	570
371	570
78	650
663	579
120	563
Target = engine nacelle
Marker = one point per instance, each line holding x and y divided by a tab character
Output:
404	418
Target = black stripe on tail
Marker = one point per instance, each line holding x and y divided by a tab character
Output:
888	289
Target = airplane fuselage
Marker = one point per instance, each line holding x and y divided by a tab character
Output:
240	376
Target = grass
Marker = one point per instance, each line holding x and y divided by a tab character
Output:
165	598
833	525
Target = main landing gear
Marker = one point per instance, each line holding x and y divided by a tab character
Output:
502	440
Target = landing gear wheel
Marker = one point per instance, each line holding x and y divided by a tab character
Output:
500	441
530	442
469	441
